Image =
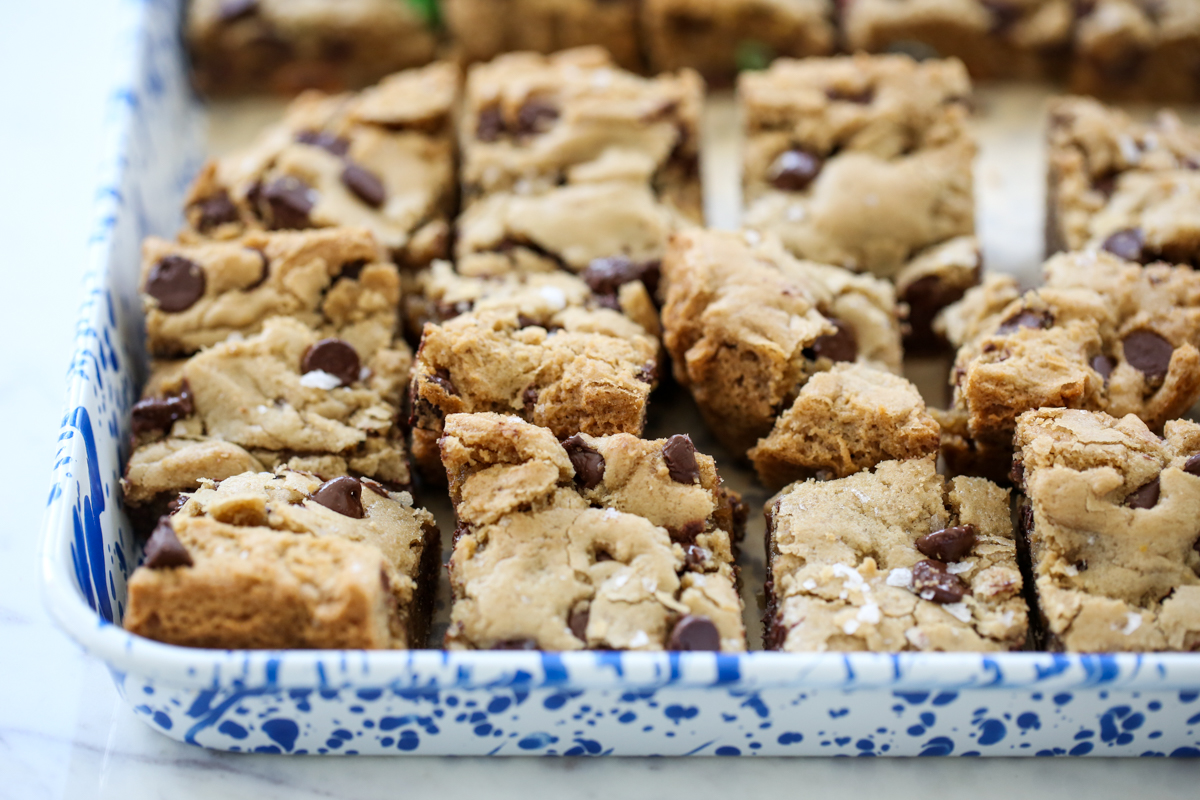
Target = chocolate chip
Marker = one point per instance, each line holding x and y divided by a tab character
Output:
1145	496
536	116
264	269
1105	184
176	283
343	495
925	298
491	124
364	185
588	463
164	550
648	372
160	413
578	622
516	644
694	556
842	345
216	210
352	269
289	200
931	581
529	399
606	276
231	10
695	633
1025	318
794	170
375	486
1127	244
862	97
334	357
441	377
688	533
326	141
948	544
1017	473
680	455
1192	466
1103	365
1149	353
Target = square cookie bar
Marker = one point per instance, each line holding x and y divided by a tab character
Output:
1138	50
719	37
866	163
1127	187
240	46
892	560
484	29
265	561
1101	334
568	160
1111	518
995	38
747	326
382	159
198	295
600	543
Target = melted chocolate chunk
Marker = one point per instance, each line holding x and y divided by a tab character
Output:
1103	365
164	550
1025	318
334	357
264	269
1192	466
343	495
364	185
160	413
289	201
326	141
1017	473
578	622
794	170
1127	244
516	644
925	298
441	377
232	10
491	124
688	533
606	276
1145	496
949	544
375	486
842	345
694	556
536	116
680	455
931	581
694	634
215	210
1148	353
176	283
588	463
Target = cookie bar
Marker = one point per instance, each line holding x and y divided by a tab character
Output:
570	368
240	46
601	543
1138	50
264	561
891	560
719	37
747	326
198	295
1023	39
1126	187
286	396
1101	334
1111	517
382	159
843	421
484	29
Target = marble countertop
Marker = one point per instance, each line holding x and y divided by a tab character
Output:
63	731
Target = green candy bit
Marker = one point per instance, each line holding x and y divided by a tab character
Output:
753	54
428	10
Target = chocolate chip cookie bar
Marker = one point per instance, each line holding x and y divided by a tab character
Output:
719	37
747	326
865	162
240	46
1101	334
382	159
568	160
591	542
1123	186
1138	50
891	560
266	561
1111	518
1023	39
484	29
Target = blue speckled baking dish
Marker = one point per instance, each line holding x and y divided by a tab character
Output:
515	703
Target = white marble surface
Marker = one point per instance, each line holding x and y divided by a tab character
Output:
63	731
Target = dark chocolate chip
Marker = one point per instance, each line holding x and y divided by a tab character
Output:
364	185
290	201
688	533
1081	565
931	581
441	377
491	124
948	544
842	345
231	10
529	399
334	357
1017	473
164	550
326	141
694	556
680	455
215	210
1025	318
1127	244
516	644
925	298
178	502
695	633
1105	184
176	283
794	170
536	116
606	276
375	486
648	373
343	495
160	413
1145	496
1148	353
588	463
264	269
578	622
1103	365
1192	466
862	98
